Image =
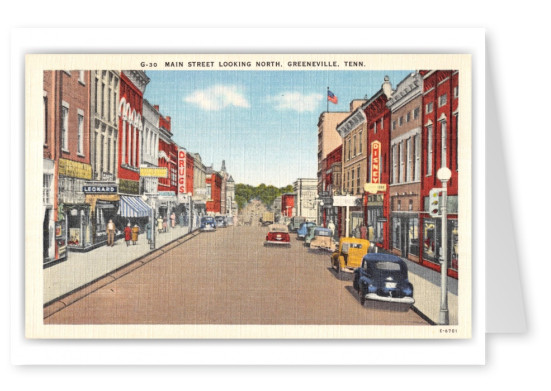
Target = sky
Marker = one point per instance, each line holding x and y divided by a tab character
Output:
262	123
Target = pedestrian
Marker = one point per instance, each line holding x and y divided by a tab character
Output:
148	232
363	232
160	224
127	234
135	233
111	233
331	226
173	220
165	226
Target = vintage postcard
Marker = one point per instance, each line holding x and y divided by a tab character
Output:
248	196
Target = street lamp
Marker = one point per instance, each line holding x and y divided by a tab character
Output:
444	174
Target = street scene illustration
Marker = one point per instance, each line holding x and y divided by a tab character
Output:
250	197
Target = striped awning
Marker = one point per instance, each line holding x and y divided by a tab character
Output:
133	207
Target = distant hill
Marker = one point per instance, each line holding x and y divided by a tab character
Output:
266	194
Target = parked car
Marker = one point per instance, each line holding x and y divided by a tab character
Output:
220	221
383	277
349	254
208	223
295	223
278	234
323	240
303	230
310	235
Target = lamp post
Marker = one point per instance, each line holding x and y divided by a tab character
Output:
444	174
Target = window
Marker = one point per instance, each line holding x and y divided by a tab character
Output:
393	125
396	232
348	142
399	205
410	205
401	121
409	163
394	164
81	77
97	95
102	100
408	117
361	136
401	157
417	154
109	168
429	150
442	100
455	92
428	108
358	184
64	128
354	145
381	125
416	113
45	120
46	185
444	132
375	127
80	145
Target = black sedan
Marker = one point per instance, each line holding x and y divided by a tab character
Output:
383	277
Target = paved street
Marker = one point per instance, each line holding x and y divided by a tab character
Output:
229	277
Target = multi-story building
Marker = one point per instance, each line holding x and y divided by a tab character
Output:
440	149
67	141
405	166
231	204
306	190
353	132
199	184
288	205
101	191
332	182
150	147
214	191
223	196
328	138
378	164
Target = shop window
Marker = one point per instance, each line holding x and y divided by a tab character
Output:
396	233
453	235
413	236
46	186
431	240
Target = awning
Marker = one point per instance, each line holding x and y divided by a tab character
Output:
133	207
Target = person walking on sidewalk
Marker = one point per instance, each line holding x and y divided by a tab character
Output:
148	232
127	234
111	233
173	220
164	225
363	232
159	224
135	233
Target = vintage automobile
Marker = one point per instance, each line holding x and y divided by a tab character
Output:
383	277
208	224
303	230
278	234
322	240
310	235
295	223
220	221
348	256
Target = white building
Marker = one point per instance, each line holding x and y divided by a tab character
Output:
306	205
150	145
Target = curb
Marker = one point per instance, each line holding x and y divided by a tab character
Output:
65	300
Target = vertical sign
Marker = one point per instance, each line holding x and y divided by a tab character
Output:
181	175
375	161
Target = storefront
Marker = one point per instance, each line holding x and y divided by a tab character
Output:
405	235
375	218
48	224
104	204
79	236
166	204
133	210
431	236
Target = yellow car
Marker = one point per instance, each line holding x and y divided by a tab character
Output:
348	256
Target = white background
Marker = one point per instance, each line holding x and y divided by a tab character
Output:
516	38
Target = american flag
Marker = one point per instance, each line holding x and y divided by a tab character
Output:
332	97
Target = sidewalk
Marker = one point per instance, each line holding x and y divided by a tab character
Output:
82	268
427	292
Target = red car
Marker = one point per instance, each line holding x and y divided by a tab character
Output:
278	234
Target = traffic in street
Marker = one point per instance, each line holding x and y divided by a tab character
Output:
228	276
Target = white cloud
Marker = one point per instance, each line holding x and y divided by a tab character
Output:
218	97
296	101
